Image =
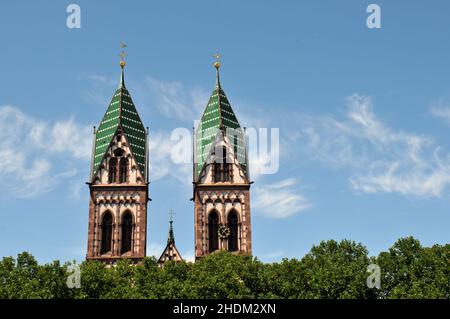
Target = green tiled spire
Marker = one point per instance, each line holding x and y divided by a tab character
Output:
218	116
121	114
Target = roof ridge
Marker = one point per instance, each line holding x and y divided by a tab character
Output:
218	98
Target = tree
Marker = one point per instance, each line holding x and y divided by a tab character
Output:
412	271
147	276
282	280
7	266
122	281
335	270
96	280
171	280
330	270
222	275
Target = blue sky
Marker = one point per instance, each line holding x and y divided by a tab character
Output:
364	116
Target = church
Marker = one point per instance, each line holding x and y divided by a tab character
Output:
119	182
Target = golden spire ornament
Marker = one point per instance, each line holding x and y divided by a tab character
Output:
122	55
217	63
122	63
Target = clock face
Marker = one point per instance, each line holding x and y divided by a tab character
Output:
224	231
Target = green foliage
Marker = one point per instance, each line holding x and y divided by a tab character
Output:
223	275
412	271
24	278
330	270
282	280
96	280
335	270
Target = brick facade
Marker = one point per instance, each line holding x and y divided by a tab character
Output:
223	199
117	200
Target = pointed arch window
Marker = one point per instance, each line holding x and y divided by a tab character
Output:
216	172
123	170
233	225
213	231
127	232
106	243
112	170
222	169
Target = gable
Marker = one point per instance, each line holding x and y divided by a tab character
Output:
216	153
170	253
119	148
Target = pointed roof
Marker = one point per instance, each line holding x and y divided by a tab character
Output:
171	237
121	115
218	116
170	252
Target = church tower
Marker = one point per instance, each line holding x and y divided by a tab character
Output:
221	179
119	182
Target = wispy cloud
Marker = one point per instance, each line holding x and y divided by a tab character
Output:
281	199
174	100
441	110
30	148
162	164
98	79
380	159
100	88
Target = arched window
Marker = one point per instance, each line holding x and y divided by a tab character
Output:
106	243
112	171
118	152
213	231
216	172
222	169
226	171
234	228
127	232
123	170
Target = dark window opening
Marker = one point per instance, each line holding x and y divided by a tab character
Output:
127	232
222	171
112	170
106	234
213	229
233	226
123	170
118	152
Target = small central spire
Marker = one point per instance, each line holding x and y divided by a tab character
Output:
122	64
171	238
171	252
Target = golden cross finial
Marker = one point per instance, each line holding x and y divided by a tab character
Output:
122	54
217	57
